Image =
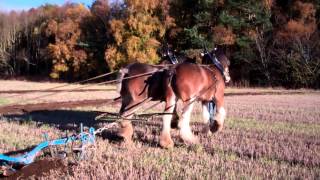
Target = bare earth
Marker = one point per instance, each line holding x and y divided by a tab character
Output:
269	133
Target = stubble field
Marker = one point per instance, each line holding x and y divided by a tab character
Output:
268	134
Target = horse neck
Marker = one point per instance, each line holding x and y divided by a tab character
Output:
223	60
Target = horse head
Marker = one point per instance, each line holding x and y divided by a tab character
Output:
218	58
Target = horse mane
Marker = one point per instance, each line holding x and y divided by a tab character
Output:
221	55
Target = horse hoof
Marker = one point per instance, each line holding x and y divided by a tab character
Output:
166	142
189	139
215	127
206	130
126	130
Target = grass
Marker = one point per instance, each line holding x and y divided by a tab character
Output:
275	126
3	101
20	135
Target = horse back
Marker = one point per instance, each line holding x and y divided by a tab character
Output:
196	81
144	86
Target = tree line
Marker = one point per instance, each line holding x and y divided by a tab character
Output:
269	42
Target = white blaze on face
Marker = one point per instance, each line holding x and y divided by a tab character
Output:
226	74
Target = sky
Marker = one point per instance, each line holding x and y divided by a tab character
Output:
18	5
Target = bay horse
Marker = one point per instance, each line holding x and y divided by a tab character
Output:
147	85
192	82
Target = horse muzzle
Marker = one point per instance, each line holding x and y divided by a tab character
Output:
227	75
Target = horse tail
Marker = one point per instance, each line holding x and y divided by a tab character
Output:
121	74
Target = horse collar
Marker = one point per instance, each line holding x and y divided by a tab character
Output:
216	63
173	59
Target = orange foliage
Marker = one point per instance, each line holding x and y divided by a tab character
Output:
268	4
117	28
137	35
142	5
52	27
223	35
220	3
307	11
67	33
304	25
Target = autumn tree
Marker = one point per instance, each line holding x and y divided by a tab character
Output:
9	35
95	36
297	43
137	33
245	25
269	42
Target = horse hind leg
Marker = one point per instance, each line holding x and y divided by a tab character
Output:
126	128
165	137
126	113
185	129
175	119
218	122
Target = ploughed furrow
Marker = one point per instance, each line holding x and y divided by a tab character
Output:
56	105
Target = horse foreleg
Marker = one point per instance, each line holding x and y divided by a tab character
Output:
205	112
205	117
165	137
218	122
126	130
185	129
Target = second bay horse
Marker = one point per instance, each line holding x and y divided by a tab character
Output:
189	83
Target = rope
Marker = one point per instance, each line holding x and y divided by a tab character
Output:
108	126
69	84
130	77
69	90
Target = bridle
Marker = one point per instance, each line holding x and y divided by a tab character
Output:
173	59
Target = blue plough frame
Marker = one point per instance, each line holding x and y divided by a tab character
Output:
28	158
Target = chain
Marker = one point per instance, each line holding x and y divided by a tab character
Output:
108	126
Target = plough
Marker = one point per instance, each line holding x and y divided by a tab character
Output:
85	139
